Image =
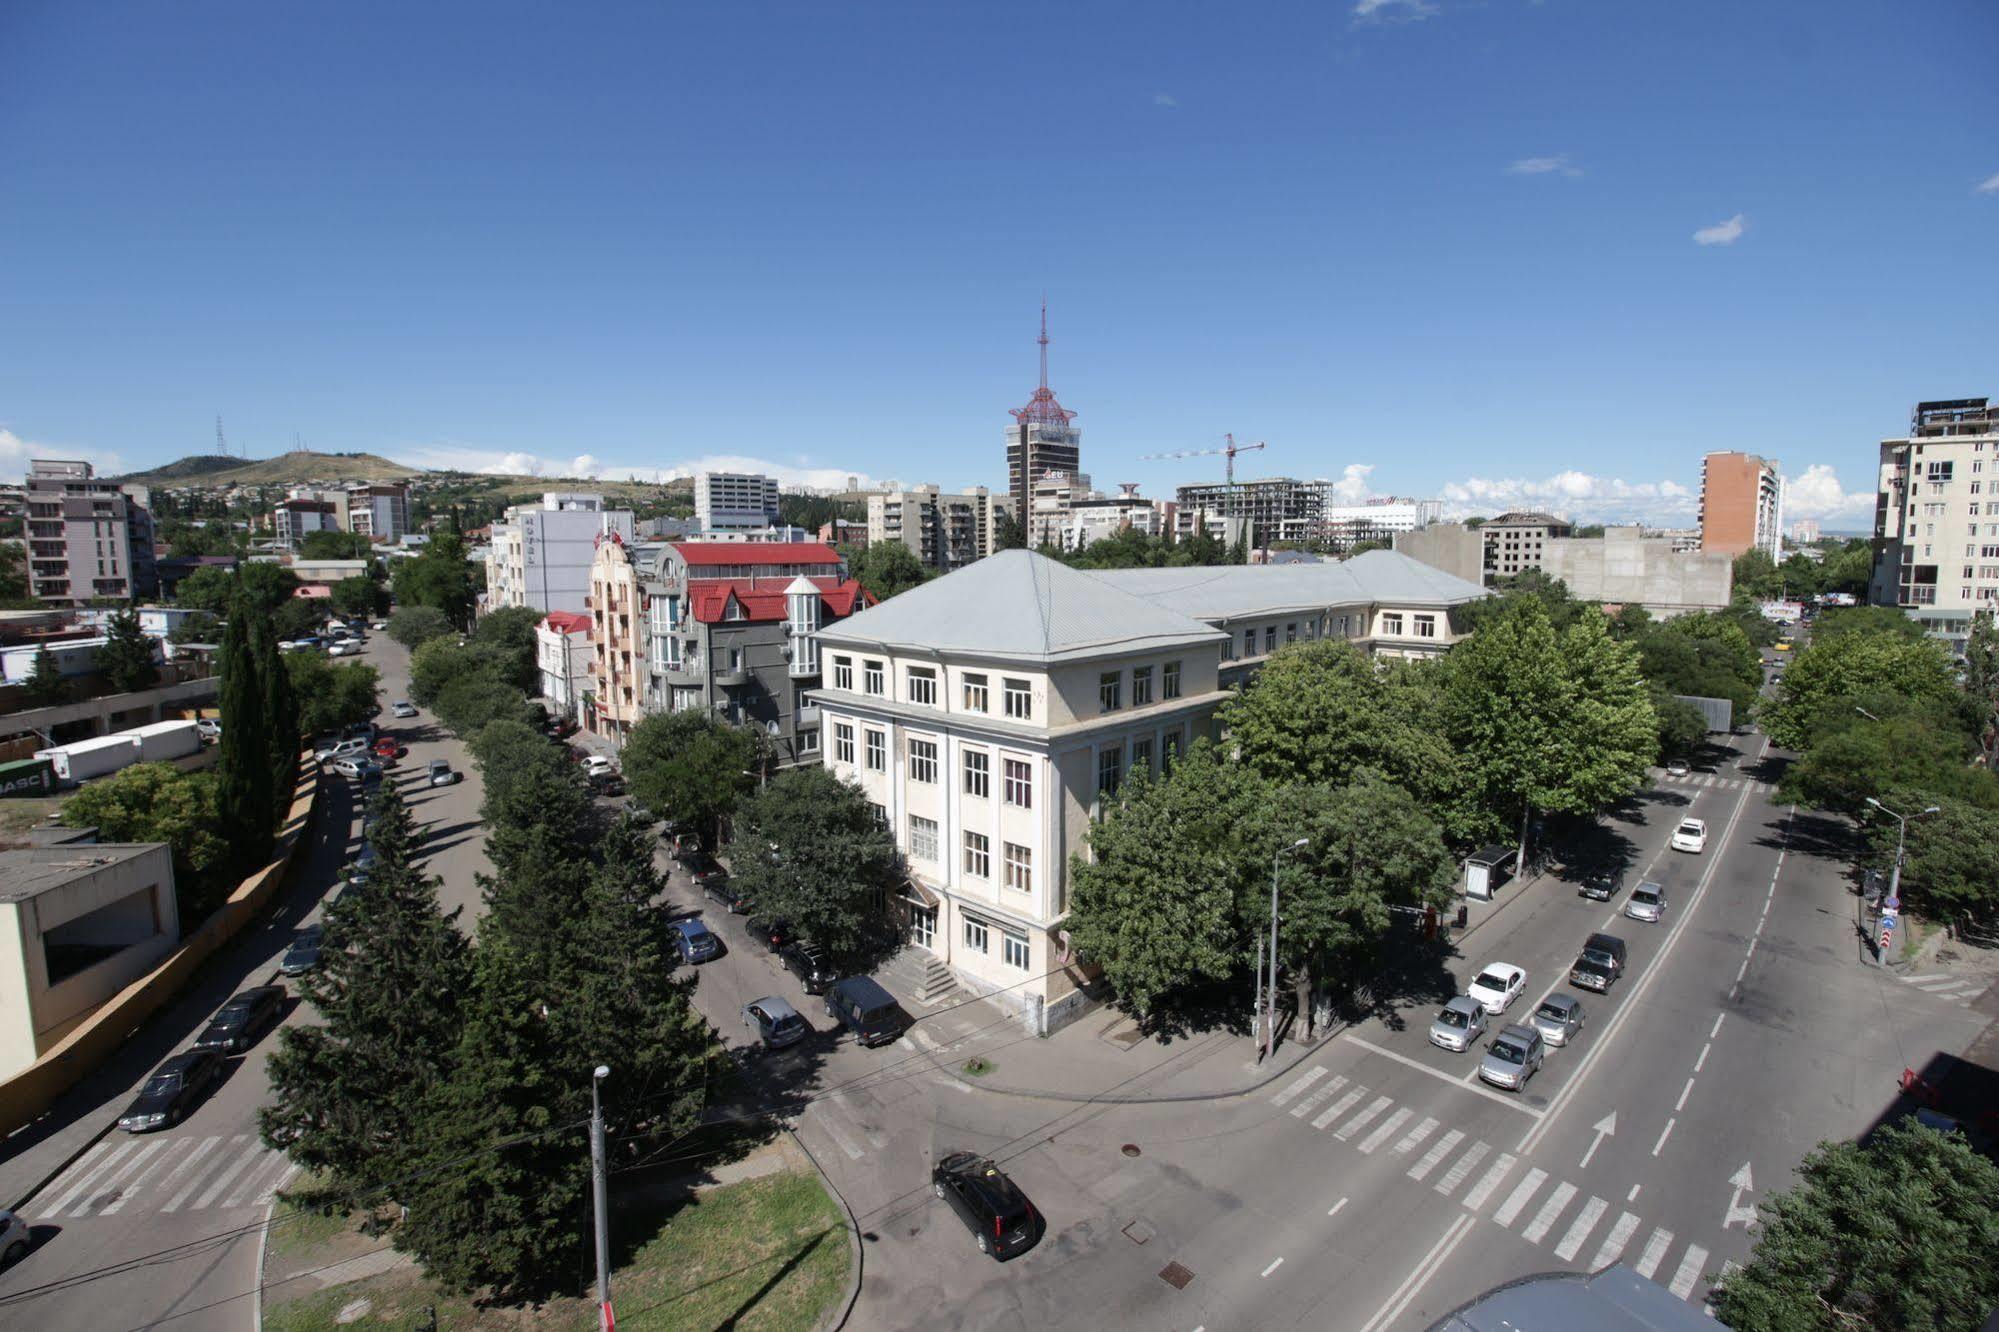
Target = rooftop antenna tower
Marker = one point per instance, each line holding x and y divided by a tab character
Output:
221	441
1042	408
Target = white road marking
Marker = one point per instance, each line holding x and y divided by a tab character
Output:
1387	1129
1690	1270
252	1184
926	1040
1411	1139
1524	1190
1702	1061
213	1191
1932	983
1436	1154
1318	1098
1716	1030
1580	1228
1613	1244
181	1167
1685	1092
1439	1254
1742	971
1494	1176
1462	1085
1537	1229
1299	1084
1655	1249
1360	1121
131	1187
1335	1209
1664	1134
275	1185
89	1177
1339	1107
826	1126
1456	1174
1633	1195
1273	1267
1926	976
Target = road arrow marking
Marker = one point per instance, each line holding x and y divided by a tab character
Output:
1605	1128
1743	1182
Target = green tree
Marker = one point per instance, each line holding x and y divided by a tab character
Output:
690	767
1895	1232
469	703
1920	744
1840	666
281	721
265	588
1756	576
1682	727
200	627
810	848
350	1091
438	576
45	685
1679	663
335	546
243	755
156	802
127	655
1981	682
299	617
1552	594
1952	871
14	593
207	588
413	626
356	597
330	695
508	636
886	568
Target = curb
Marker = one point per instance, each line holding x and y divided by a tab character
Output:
56	1171
838	1317
263	1240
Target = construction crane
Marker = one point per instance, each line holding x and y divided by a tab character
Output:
1229	449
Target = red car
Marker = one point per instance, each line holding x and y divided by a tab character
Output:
388	749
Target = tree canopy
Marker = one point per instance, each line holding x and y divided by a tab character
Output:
330	695
127	657
810	848
886	568
690	767
413	626
438	576
1847	660
157	802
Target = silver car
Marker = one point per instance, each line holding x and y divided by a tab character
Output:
1459	1023
1558	1018
1512	1057
776	1023
1648	902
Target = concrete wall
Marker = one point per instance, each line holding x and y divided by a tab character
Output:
1456	549
1625	568
116	712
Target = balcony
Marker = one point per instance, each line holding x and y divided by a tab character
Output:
686	674
731	677
807	716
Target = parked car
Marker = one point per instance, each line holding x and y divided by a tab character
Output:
696	942
1691	835
389	747
344	647
776	1023
772	932
441	773
562	728
1558	1018
1598	887
1001	1219
1512	1057
720	889
402	707
15	1239
354	766
236	1027
1497	987
596	763
303	955
686	845
1458	1024
702	867
371	778
209	728
175	1088
807	963
1648	903
363	730
605	781
1678	768
863	1007
341	749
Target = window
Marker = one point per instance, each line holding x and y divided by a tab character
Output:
871	677
1169	680
1019	784
1270	638
843	673
1391	624
923	761
975	693
1110	691
976	937
1110	768
1141	754
923	686
1169	748
1426	626
881	814
877	751
922	838
978	856
1141	686
1249	642
1291	632
1019	867
1019	700
808	742
978	774
1013	948
843	742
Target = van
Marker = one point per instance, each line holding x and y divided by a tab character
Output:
866	1009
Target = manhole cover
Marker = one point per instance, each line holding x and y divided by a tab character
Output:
1129	1149
1175	1276
1139	1231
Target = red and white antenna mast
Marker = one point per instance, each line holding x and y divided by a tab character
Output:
1042	408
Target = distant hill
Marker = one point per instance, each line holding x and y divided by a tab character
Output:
287	469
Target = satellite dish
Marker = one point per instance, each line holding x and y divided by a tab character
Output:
771	726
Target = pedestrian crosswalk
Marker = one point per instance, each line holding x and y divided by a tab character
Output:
1501	1187
1714	780
165	1175
1960	990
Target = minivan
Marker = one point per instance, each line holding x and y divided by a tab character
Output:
866	1009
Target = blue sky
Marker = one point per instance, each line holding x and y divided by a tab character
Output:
1424	246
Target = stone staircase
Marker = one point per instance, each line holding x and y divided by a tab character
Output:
917	975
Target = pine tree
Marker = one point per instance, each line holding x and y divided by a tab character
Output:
46	686
351	1091
127	655
280	719
243	758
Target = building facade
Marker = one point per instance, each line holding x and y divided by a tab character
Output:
1742	505
1516	541
541	554
615	697
1344	526
292	519
86	537
1042	439
1627	566
734	501
944	529
1094	516
380	513
562	657
1270	509
1936	517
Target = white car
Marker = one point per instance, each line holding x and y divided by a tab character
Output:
15	1239
402	708
354	748
346	647
1497	987
1691	835
379	624
208	728
597	763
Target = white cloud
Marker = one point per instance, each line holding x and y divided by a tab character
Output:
1393	11
1990	186
1164	99
1817	493
587	466
1558	165
1577	495
15	453
1722	233
1352	487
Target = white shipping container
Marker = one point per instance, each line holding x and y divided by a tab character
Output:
166	740
92	758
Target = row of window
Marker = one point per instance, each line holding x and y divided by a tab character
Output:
1110	686
1017	696
1016	860
1013	943
1018	784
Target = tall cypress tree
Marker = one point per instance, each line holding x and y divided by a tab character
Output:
243	756
280	718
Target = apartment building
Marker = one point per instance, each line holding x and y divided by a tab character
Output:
1344	526
944	529
1742	505
86	537
1516	541
1094	516
380	513
293	519
563	654
1936	517
734	501
541	554
615	696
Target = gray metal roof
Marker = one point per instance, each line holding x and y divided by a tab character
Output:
1226	592
1025	607
30	871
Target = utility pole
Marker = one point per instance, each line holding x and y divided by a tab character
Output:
1256	1005
599	1189
1270	996
1891	905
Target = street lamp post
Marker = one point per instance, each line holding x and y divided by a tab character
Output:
598	1190
1270	995
1894	899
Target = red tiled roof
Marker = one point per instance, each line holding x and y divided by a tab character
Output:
568	622
700	553
765	602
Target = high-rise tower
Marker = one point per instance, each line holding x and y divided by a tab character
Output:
1040	440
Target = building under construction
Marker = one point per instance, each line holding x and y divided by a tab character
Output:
1277	508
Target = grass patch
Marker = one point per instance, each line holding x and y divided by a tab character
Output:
975	1067
764	1255
298	1227
26	813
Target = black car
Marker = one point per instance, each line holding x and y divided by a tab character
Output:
702	867
175	1088
607	783
243	1019
769	932
1001	1218
721	890
303	955
1592	973
807	963
1598	887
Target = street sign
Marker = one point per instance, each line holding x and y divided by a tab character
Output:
1886	935
1892	905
